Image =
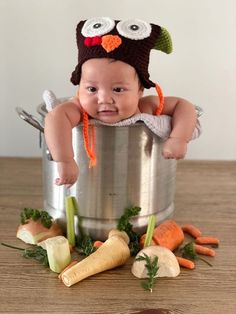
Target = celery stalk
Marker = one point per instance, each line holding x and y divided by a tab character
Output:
76	212
58	253
150	229
70	212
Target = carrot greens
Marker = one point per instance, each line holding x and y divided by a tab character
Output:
188	251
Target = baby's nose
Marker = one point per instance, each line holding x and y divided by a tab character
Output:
105	97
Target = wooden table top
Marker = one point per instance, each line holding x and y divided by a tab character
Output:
205	196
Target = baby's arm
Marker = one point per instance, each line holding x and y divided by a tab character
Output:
58	134
183	123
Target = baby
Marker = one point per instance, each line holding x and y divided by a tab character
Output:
112	73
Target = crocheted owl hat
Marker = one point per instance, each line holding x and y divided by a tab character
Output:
129	41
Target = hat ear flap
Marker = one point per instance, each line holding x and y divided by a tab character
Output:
164	42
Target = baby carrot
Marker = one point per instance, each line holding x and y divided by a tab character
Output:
204	250
207	240
184	262
97	244
142	240
192	230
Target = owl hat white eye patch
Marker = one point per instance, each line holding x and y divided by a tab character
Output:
129	41
97	26
134	29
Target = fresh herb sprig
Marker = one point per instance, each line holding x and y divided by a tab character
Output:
85	246
125	225
35	214
188	251
35	252
152	268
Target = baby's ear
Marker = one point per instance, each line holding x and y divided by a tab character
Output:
141	90
164	42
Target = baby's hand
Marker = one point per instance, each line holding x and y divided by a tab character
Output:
68	172
174	148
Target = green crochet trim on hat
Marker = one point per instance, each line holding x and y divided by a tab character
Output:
164	42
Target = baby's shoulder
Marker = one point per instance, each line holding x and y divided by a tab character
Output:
148	104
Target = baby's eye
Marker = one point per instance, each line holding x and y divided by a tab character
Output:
91	89
118	89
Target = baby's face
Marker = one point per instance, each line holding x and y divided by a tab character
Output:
109	90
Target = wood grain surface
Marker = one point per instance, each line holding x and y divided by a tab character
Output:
205	196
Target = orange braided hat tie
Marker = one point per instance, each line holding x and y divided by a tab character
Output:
161	100
90	150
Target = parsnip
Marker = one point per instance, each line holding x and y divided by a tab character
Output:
114	252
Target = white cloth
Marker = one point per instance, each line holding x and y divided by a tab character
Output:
159	125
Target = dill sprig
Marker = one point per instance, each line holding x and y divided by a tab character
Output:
152	268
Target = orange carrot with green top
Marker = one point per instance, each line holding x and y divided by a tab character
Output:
184	262
204	250
191	230
207	240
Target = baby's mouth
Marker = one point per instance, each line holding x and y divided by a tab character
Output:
107	112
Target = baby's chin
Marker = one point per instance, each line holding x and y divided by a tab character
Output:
109	117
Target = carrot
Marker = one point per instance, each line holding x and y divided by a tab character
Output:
67	267
184	262
142	241
192	230
114	252
207	240
204	250
168	234
97	244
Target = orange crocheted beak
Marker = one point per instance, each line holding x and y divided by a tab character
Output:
111	42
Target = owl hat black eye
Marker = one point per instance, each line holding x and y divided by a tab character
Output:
129	41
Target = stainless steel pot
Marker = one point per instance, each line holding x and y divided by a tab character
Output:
130	171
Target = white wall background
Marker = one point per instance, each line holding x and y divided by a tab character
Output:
38	52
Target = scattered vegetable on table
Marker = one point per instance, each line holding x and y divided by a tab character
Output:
112	253
158	252
36	226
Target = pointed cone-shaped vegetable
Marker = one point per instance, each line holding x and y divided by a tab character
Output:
114	252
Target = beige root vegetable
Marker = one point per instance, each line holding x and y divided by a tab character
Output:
114	252
33	231
167	262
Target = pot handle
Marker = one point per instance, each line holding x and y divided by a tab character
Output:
34	122
30	119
